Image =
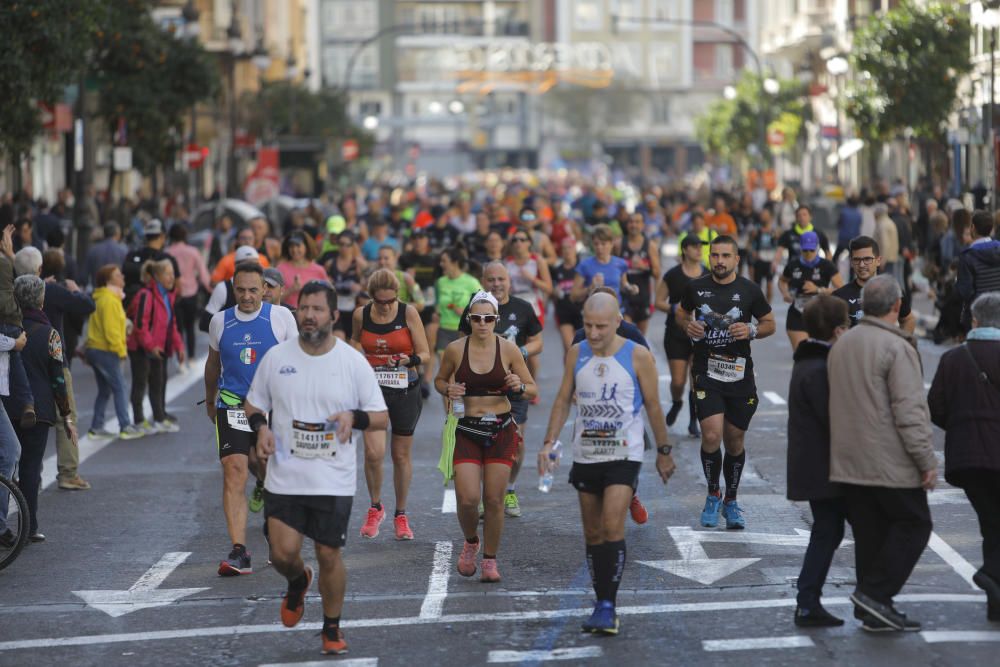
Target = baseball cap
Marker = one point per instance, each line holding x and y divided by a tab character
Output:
690	240
245	252
809	241
274	278
152	228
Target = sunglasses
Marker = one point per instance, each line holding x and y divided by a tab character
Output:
520	239
385	302
481	319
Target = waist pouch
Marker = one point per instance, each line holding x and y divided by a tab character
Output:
229	399
483	432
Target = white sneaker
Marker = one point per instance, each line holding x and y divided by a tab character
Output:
101	434
131	432
167	426
148	427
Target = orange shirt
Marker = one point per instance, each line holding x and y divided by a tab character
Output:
722	223
226	267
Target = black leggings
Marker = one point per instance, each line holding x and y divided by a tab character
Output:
187	320
153	372
29	467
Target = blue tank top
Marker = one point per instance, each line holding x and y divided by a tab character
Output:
241	347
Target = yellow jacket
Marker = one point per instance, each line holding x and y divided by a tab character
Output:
107	325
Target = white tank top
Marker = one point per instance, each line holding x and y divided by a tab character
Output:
609	425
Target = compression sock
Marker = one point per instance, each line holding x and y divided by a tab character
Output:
491	556
399	513
675	409
591	557
711	464
603	570
616	555
298	584
732	468
377	506
330	625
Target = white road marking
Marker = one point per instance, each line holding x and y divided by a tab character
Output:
493	617
941	636
144	593
963	567
449	505
756	643
542	656
437	587
176	386
350	662
947	497
775	398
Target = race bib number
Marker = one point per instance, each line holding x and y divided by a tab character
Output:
393	378
725	368
765	255
603	445
238	420
345	302
313	441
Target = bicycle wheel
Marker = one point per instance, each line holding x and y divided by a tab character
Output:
15	536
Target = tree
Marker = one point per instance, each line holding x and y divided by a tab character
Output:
44	47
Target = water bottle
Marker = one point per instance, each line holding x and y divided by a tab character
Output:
545	481
458	407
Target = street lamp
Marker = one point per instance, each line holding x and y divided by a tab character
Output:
234	38
837	66
771	86
261	59
435	107
455	107
370	123
190	14
989	19
192	29
729	92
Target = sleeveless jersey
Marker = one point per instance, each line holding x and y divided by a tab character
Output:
609	424
381	340
241	347
523	288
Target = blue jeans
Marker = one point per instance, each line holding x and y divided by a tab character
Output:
10	452
108	370
20	390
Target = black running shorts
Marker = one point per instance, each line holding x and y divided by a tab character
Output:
738	409
595	477
404	407
231	440
794	320
677	348
323	519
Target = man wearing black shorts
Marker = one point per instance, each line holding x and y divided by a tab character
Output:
717	311
803	278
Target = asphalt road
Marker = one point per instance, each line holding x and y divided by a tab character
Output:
151	532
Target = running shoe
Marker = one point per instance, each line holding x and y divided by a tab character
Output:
257	497
638	511
402	526
168	426
733	514
374	520
101	434
490	573
604	620
335	644
148	428
467	559
131	432
510	505
293	605
710	515
675	409
236	564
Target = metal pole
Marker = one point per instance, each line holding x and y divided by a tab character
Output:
231	189
989	123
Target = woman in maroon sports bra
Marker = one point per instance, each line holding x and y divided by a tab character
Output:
480	371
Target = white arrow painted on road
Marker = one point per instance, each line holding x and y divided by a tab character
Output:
697	566
145	593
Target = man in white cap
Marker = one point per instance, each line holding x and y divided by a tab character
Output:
224	295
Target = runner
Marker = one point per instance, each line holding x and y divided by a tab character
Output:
643	260
703	232
676	343
223	295
530	279
392	337
519	325
486	368
345	271
274	287
717	312
866	261
569	316
762	244
603	268
238	339
422	263
804	277
612	379
312	471
789	245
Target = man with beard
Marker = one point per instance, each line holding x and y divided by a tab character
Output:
717	311
321	393
866	260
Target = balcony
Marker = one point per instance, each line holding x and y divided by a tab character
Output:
467	28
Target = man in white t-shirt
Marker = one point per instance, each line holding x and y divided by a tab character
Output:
321	393
238	339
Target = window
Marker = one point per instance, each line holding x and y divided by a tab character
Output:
723	61
704	60
370	108
704	10
588	14
358	18
664	64
627	10
660	109
724	11
664	10
336	57
740	11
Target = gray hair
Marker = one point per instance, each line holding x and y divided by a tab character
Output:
879	295
986	310
29	290
28	261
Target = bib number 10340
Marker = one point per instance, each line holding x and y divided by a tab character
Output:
725	368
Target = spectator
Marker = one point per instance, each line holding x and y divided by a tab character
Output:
887	235
266	245
826	319
194	274
978	265
222	238
964	400
882	451
109	250
105	352
226	267
43	360
11	325
298	265
56	240
10	448
848	226
154	338
24	235
152	250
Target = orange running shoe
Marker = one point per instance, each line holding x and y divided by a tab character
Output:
402	525
293	605
491	574
374	520
335	646
638	511
467	560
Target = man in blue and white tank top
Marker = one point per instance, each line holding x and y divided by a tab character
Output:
613	379
238	338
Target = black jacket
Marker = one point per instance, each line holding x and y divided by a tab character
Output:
978	272
968	408
809	425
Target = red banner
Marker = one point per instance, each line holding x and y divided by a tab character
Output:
264	182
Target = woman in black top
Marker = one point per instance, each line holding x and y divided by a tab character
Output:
643	260
345	274
569	314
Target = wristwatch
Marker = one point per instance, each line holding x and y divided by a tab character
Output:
665	449
522	389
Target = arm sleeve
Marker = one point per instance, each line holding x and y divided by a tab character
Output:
114	331
143	312
534	326
760	307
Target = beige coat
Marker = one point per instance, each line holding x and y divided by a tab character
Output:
880	426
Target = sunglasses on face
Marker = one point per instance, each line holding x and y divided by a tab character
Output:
481	319
385	302
520	239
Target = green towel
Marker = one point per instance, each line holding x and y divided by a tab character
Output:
446	464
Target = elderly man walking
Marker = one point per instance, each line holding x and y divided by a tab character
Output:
965	401
881	450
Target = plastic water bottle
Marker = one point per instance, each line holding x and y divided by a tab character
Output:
458	407
545	481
